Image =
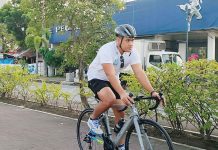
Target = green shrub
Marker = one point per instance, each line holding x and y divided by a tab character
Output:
191	93
41	93
169	80
202	97
11	77
66	96
55	91
24	84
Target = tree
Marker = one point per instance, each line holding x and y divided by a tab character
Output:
16	22
6	39
34	41
90	21
43	16
51	58
92	25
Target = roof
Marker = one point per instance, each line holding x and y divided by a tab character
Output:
27	53
151	17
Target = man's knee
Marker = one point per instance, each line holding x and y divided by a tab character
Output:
109	101
107	96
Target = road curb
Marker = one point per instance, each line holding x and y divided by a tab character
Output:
59	82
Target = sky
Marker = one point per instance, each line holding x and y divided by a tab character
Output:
2	2
128	0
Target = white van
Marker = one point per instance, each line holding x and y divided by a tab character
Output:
152	54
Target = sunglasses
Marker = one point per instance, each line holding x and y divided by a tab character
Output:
121	61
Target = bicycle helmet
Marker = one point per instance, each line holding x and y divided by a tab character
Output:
125	30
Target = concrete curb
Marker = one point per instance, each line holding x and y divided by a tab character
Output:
58	82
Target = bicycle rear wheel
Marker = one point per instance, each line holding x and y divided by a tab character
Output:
157	135
85	140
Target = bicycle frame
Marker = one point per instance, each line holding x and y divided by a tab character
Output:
133	119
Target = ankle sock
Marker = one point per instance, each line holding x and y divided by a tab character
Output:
121	147
93	119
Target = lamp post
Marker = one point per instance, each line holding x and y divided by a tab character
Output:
192	9
188	19
22	29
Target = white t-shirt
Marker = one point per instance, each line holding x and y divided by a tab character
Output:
109	53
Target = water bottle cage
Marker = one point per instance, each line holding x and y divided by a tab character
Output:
118	126
116	129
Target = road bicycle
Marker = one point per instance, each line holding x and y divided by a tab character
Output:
141	134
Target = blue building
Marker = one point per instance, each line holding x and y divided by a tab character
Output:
165	20
59	33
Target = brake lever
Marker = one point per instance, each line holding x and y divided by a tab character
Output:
157	101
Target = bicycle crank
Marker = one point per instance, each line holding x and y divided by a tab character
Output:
93	137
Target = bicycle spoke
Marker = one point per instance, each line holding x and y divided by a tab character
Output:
85	139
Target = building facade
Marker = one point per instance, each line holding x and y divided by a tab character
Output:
187	26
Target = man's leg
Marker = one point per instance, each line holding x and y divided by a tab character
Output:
118	115
107	98
118	104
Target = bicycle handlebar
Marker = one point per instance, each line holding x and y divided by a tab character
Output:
138	98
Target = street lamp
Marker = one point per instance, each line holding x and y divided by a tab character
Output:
192	9
188	19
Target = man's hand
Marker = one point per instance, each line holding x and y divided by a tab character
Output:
160	97
126	99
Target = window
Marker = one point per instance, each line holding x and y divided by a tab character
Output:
172	58
200	51
155	60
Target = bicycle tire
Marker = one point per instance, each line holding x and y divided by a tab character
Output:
83	129
158	137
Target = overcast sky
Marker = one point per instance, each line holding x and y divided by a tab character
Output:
2	2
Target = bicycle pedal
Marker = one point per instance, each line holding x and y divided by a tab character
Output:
87	139
91	134
95	137
100	141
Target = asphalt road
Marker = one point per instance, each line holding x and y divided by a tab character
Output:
26	129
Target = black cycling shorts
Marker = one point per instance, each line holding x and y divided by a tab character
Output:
96	85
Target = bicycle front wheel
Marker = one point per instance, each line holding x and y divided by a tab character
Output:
158	138
85	140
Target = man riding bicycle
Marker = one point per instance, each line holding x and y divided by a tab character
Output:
103	76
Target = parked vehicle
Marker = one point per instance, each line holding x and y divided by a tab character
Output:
154	54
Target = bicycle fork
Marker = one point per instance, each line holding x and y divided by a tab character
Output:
141	131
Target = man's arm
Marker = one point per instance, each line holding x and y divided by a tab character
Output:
144	81
142	77
111	75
